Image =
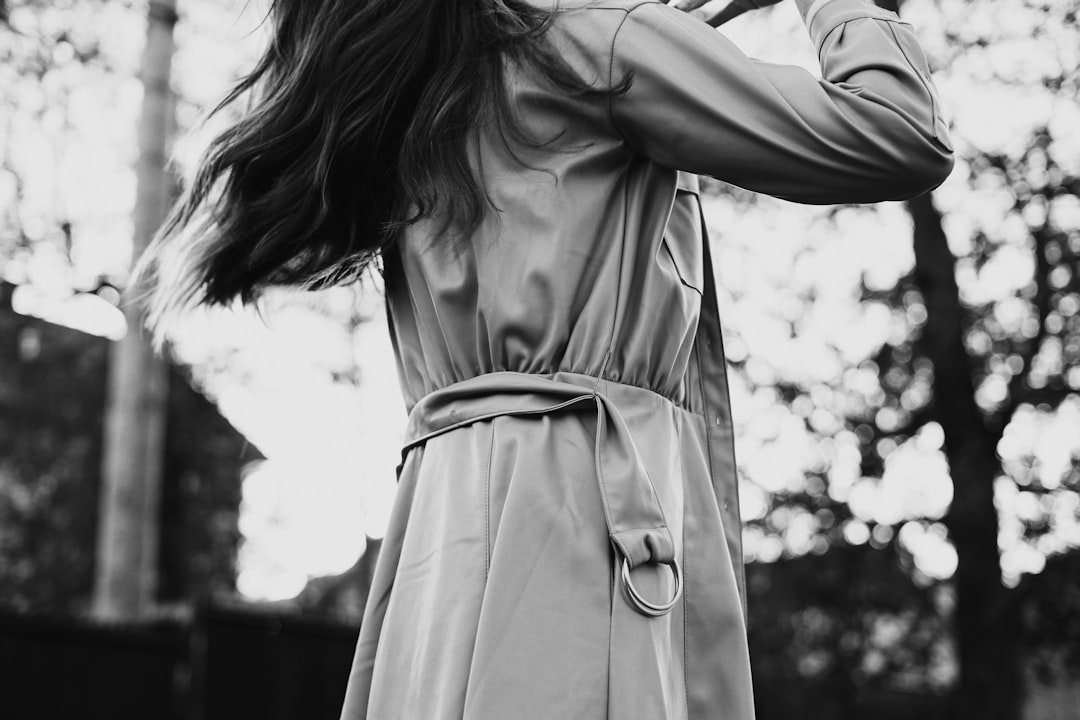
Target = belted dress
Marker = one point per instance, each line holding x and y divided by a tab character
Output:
565	540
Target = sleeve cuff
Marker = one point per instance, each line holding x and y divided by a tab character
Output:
825	15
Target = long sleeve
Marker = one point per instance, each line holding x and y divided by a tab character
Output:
870	129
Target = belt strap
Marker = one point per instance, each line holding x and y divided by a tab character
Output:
635	520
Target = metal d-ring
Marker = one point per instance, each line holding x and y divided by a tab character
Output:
642	605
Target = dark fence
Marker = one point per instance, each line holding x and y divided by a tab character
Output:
223	662
239	662
273	667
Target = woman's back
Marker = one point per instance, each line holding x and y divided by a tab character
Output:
537	288
566	539
576	263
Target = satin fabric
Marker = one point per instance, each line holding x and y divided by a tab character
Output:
565	379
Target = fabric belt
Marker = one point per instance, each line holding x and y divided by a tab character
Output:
635	520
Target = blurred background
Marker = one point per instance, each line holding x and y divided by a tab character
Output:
192	536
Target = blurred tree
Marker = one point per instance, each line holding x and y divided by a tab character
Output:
822	624
69	106
52	59
130	505
51	395
1038	365
982	343
52	399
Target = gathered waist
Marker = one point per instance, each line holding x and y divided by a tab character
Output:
636	524
494	392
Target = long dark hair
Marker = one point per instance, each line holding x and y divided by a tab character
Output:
357	126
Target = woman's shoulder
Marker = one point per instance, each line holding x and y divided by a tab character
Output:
596	10
589	27
623	5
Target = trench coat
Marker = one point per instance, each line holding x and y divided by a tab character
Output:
565	540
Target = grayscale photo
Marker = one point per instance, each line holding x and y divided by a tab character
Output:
540	359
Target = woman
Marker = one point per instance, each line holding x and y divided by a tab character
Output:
565	541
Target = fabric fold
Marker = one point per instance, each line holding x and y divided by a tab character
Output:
635	519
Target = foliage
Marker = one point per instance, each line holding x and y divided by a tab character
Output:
51	405
859	453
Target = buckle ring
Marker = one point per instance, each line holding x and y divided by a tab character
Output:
642	605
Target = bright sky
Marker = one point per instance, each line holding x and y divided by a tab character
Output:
332	447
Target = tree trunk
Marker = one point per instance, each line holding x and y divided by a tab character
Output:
985	623
129	506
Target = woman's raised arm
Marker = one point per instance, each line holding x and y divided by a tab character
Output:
871	129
